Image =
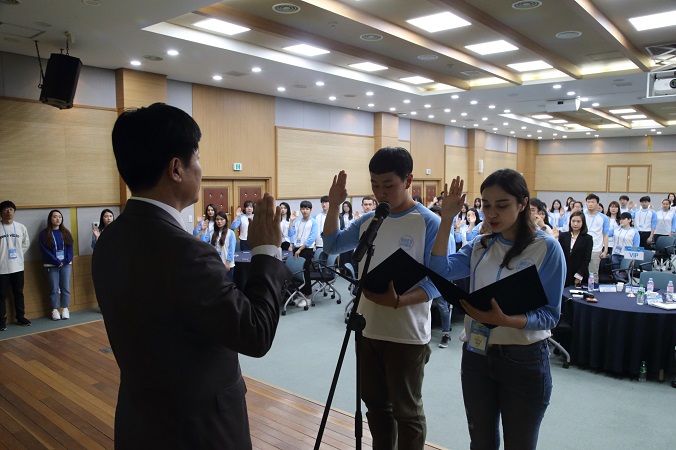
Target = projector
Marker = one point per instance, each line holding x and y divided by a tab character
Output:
665	86
567	105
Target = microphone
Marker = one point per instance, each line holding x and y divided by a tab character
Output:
366	240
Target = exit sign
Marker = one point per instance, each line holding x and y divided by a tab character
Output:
237	166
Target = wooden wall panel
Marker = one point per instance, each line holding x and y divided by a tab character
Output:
51	157
308	160
404	144
526	151
588	172
456	163
135	89
236	127
498	160
427	150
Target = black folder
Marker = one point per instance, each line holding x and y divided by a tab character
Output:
516	294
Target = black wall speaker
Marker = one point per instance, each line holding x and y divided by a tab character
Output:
60	82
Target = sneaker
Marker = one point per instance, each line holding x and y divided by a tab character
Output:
23	321
3	325
65	314
55	314
301	304
444	341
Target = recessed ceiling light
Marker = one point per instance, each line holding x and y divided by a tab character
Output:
332	98
622	111
428	106
319	83
369	93
595	104
596	135
539	131
488	48
427	57
659	132
495	129
413	113
306	50
393	109
505	123
484	118
407	101
463	114
455	96
529	135
135	62
539	137
453	120
220	26
491	106
447	110
256	69
556	86
665	19
558	121
565	137
555	134
529	65
507	111
368	66
172	52
526	4
568	34
588	133
281	89
570	93
285	8
371	105
371	37
217	77
523	128
416	80
473	102
584	99
511	132
431	116
542	116
439	22
635	116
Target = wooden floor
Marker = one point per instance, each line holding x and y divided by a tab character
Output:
58	389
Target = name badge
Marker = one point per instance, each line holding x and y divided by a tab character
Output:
478	338
60	255
13	253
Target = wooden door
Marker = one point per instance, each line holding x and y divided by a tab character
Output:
430	191
248	190
217	195
417	189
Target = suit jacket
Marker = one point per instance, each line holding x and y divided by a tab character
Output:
176	326
577	258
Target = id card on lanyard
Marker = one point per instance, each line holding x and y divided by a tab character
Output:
60	254
478	332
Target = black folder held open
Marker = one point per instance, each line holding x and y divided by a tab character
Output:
516	294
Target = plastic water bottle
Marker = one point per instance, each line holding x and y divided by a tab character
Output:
670	287
643	372
590	283
651	285
640	295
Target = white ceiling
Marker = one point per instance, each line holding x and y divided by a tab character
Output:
608	64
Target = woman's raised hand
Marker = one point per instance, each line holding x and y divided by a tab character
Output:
453	200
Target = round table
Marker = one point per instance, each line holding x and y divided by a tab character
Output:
616	334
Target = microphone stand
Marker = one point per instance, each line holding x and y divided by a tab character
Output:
631	279
355	323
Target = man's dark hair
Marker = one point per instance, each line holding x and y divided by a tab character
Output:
146	139
370	197
645	198
578	202
324	199
7	204
593	197
392	159
624	197
306	204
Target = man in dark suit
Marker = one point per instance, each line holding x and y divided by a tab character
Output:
174	321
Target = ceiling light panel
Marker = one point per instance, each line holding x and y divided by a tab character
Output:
416	80
439	22
220	26
368	66
622	111
530	65
488	48
306	50
652	21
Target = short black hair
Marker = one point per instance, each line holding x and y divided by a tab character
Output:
624	197
146	139
645	198
392	159
324	199
370	197
593	197
7	204
306	204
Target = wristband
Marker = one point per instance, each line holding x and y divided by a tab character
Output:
396	305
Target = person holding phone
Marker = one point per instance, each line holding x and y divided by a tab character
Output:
505	371
106	219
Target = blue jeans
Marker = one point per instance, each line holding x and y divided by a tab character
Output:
59	278
512	381
444	312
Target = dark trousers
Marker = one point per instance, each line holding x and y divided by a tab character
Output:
308	254
244	245
644	235
15	281
512	382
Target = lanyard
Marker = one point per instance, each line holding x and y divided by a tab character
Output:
5	230
644	217
56	246
490	244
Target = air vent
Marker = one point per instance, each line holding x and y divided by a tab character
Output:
349	95
152	58
234	73
371	37
286	8
568	34
664	55
472	73
19	31
9	2
427	57
605	56
526	4
299	86
623	84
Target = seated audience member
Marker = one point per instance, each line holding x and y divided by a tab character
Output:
624	204
206	223
597	226
666	225
303	233
539	216
645	221
577	248
241	222
465	231
56	246
625	236
106	219
320	217
613	214
285	210
223	238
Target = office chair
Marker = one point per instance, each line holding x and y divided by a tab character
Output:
661	279
624	266
323	276
294	284
644	265
664	251
562	332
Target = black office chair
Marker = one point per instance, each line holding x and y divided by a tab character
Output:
292	286
323	276
563	331
664	251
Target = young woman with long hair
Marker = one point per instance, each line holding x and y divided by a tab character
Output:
577	247
56	246
106	219
206	224
285	210
469	229
505	371
613	214
242	222
223	238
